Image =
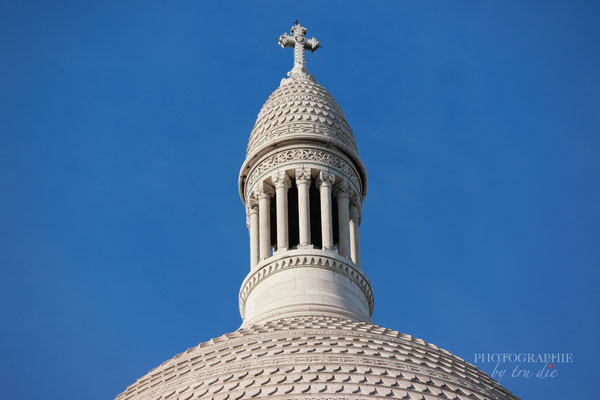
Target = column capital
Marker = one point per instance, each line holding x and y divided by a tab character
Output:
251	206
342	189
281	179
355	201
264	191
325	179
303	175
355	207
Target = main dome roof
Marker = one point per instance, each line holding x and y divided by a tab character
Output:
301	109
307	357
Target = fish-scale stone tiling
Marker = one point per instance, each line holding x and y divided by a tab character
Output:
315	357
301	108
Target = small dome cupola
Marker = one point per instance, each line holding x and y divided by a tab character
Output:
303	185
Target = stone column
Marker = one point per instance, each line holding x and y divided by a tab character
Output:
342	195
303	184
264	194
325	182
252	222
354	223
282	183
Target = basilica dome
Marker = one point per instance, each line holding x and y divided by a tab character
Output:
314	357
306	303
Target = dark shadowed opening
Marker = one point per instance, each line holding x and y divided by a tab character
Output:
315	217
293	216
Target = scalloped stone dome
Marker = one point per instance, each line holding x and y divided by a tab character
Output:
301	109
315	357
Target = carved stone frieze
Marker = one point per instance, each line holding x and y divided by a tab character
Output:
289	156
295	129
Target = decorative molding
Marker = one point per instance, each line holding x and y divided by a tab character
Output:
306	261
329	129
289	156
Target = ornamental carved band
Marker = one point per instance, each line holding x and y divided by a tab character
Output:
298	129
289	156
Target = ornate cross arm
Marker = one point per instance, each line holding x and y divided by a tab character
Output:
312	44
299	42
286	40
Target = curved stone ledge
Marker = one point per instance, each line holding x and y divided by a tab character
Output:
301	155
303	258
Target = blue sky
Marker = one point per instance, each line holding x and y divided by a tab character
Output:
124	124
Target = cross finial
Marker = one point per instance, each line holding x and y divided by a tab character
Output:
299	42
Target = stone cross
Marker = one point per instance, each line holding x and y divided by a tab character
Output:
300	43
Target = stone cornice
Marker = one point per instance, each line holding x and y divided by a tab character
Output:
314	259
291	156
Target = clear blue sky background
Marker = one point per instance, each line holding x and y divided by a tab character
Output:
123	126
